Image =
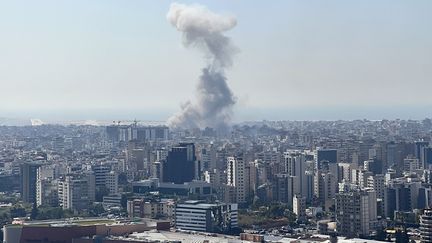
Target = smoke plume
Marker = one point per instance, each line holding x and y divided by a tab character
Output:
204	29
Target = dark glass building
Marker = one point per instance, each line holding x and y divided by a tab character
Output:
28	173
419	152
428	156
329	155
179	166
375	166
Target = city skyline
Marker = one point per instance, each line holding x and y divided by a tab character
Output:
297	60
215	121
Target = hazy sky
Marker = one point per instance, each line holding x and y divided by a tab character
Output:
298	59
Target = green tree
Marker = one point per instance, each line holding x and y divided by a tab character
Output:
381	235
50	213
34	212
290	216
275	211
18	211
96	210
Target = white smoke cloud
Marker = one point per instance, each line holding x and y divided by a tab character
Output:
203	29
196	17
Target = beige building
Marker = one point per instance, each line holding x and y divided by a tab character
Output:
237	177
140	208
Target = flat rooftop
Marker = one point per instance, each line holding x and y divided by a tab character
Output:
76	221
167	236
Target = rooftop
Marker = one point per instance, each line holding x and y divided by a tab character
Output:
72	222
184	237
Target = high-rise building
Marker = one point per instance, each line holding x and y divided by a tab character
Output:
363	150
396	152
355	212
76	191
402	195
295	167
208	157
329	155
112	133
157	171
374	165
393	154
419	152
251	171
360	177
136	158
124	133
214	177
28	172
269	157
46	194
237	177
377	182
46	187
378	152
344	172
180	164
150	133
112	182
325	184
426	226
161	154
428	157
299	207
411	164
281	189
325	188
101	172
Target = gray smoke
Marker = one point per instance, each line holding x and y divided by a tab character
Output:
203	29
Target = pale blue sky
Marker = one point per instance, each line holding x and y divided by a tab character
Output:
102	58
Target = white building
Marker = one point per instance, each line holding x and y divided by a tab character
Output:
112	182
76	191
46	187
295	167
426	226
377	182
236	177
326	186
46	192
196	216
141	208
213	177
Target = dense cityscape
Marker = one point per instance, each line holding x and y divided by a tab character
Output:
309	181
215	121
